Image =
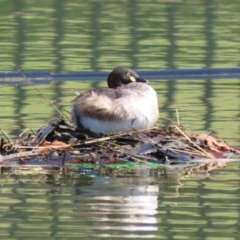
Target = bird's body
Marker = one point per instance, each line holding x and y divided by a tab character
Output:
128	107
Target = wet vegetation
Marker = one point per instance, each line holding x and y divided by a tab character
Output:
61	145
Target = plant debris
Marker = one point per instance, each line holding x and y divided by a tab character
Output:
60	144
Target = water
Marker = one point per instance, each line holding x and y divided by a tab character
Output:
70	36
77	206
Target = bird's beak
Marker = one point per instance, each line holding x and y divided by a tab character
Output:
141	80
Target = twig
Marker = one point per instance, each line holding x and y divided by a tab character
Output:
208	154
18	155
168	120
114	136
21	134
48	100
188	152
135	157
178	121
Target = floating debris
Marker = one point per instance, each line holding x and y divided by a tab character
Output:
59	144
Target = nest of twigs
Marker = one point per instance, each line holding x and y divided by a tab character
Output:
60	144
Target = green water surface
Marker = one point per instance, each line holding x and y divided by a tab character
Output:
77	36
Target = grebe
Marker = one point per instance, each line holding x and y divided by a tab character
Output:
128	104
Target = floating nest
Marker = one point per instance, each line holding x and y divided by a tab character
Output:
60	146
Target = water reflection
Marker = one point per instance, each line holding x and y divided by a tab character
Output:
124	206
127	206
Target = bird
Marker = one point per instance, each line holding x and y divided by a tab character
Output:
128	104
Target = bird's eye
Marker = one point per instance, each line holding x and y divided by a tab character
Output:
133	79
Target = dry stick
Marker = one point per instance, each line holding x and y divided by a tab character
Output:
21	134
43	147
208	154
28	80
18	155
178	121
198	152
97	140
183	151
169	120
28	153
135	157
114	136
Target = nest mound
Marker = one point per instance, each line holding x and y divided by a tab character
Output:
60	144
